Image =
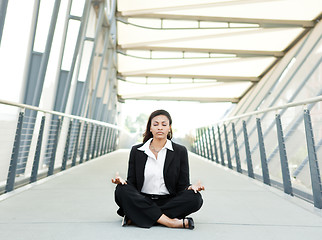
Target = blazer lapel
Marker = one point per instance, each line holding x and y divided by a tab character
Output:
140	168
168	159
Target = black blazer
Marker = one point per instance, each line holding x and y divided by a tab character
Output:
175	172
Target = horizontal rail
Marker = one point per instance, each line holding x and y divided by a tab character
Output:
288	105
25	106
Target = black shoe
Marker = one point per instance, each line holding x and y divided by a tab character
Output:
126	221
191	224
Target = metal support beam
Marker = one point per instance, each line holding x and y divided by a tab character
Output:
14	156
313	161
215	144
3	12
248	155
220	148
283	158
265	171
35	166
238	165
227	148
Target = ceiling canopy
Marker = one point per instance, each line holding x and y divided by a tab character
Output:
202	50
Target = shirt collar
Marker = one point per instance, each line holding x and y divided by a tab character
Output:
146	145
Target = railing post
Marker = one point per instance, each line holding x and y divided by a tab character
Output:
89	145
284	164
265	171
215	144
53	154
35	165
103	142
95	141
210	145
202	152
205	135
99	141
220	148
14	156
76	144
248	155
85	128
64	162
236	149
107	140
227	148
313	161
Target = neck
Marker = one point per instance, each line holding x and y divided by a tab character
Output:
158	142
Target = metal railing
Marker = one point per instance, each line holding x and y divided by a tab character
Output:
297	137
43	142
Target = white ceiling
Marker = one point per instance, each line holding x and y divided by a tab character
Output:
202	50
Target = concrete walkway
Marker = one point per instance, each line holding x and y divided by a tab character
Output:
79	204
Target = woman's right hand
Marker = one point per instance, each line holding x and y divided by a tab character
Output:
118	179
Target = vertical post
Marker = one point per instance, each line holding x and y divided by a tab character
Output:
76	144
238	165
313	161
14	156
215	144
99	141
201	143
89	145
265	171
103	142
53	155
248	155
3	11
95	141
205	135
35	166
64	162
227	148
210	145
220	148
283	158
85	128
107	140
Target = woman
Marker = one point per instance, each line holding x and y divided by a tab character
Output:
158	188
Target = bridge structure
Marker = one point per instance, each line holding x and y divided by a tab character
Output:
77	64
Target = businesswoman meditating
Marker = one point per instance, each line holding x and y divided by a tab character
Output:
158	189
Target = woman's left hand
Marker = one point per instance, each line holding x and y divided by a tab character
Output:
196	187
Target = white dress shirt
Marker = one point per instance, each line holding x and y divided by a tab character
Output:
153	172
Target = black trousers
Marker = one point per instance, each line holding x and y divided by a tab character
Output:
144	212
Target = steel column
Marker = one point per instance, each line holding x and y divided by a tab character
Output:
313	161
3	12
265	171
248	155
283	158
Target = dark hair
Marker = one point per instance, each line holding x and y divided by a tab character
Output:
147	135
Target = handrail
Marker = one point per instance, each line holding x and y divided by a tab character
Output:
288	105
20	105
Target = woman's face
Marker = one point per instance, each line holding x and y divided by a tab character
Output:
160	127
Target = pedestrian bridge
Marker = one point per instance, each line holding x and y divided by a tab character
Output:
78	203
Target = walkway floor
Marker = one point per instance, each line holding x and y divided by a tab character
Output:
78	204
